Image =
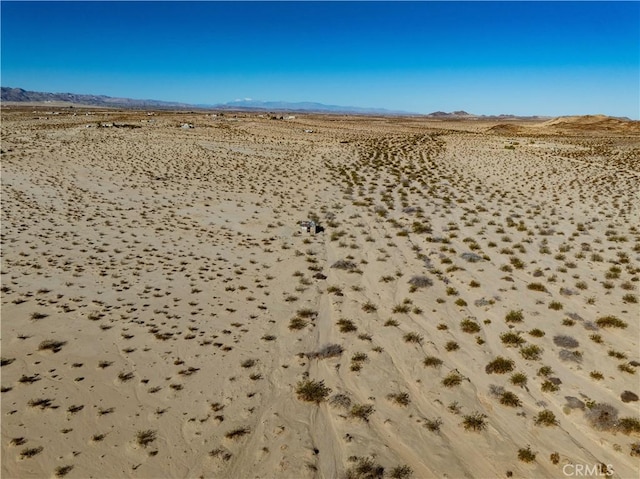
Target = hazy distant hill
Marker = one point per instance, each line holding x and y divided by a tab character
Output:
306	106
20	95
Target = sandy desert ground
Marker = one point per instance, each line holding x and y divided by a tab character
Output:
469	311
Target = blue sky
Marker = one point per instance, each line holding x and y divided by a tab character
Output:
527	58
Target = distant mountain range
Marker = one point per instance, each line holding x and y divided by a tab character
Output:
23	96
305	107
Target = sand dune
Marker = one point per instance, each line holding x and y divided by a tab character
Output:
470	309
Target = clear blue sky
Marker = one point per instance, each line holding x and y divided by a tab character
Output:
529	58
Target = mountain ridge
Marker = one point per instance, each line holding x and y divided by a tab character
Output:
20	95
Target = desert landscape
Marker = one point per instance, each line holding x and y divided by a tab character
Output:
468	307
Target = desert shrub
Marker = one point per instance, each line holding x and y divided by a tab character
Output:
413	338
574	403
610	322
596	375
30	452
307	313
42	403
62	471
401	472
514	316
475	421
549	386
312	391
628	396
328	351
365	468
6	361
344	265
369	307
433	425
602	417
432	361
420	282
248	363
237	433
399	398
469	326
346	326
361	411
616	354
555	305
391	322
401	308
545	418
500	365
452	379
630	298
531	352
341	401
297	323
537	333
627	368
628	425
451	346
510	399
511	339
573	356
526	454
518	379
144	438
537	287
565	341
52	345
545	371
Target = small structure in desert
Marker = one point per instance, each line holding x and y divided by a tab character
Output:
308	226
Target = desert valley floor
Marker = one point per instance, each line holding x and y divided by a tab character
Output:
469	308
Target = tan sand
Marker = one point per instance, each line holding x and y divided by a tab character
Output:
153	278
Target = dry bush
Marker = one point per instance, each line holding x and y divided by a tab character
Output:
361	411
610	322
420	282
628	425
237	433
328	351
475	421
365	468
500	365
52	345
312	391
341	401
565	341
602	417
144	438
514	316
546	418
432	361
469	326
526	454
